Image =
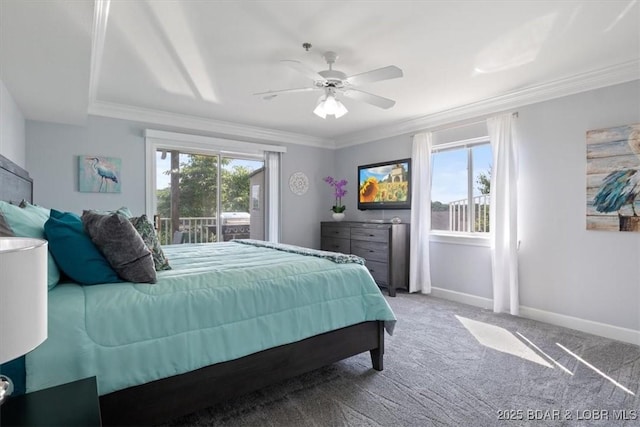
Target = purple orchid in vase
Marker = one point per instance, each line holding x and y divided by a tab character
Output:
339	192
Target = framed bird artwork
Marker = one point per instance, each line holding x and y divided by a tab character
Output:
613	178
99	174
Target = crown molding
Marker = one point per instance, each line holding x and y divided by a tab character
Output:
218	127
609	76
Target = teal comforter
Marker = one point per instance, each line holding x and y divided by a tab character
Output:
220	302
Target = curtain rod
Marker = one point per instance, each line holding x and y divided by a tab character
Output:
460	124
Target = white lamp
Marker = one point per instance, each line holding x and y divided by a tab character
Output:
23	300
329	104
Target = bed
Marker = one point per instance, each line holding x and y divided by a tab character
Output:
227	319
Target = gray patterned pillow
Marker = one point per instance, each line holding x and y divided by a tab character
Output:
121	245
148	234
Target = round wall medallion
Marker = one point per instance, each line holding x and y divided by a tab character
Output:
298	183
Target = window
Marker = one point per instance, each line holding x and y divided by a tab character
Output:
460	187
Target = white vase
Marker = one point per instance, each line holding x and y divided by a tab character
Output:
338	216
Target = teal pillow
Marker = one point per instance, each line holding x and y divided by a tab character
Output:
74	252
44	212
29	222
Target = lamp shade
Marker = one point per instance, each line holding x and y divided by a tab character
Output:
23	295
328	104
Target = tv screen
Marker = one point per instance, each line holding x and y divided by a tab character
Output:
385	185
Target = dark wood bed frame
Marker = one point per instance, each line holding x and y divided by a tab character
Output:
161	400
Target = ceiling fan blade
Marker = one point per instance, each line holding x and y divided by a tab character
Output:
385	73
273	93
369	98
303	69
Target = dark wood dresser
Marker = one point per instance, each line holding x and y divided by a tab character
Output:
385	247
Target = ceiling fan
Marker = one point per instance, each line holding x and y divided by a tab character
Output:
334	83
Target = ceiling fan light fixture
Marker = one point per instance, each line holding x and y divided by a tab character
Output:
334	81
329	105
319	111
341	110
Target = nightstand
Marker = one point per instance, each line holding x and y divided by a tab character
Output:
72	404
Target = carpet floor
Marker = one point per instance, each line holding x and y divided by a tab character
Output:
450	364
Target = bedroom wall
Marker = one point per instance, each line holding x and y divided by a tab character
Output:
301	215
12	128
51	158
588	280
460	267
570	276
565	269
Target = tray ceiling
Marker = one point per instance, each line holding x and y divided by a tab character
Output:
179	62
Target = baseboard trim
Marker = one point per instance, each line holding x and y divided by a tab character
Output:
463	298
596	328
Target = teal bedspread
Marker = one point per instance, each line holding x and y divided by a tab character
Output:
220	302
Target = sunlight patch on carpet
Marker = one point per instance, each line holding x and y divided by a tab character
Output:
596	370
502	340
555	362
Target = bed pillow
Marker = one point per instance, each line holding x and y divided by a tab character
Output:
5	230
35	208
29	222
148	234
122	211
74	252
121	244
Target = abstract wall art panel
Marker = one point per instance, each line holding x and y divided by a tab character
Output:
98	174
613	178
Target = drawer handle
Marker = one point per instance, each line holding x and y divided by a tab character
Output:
372	235
371	251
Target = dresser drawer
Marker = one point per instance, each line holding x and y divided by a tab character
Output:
339	232
370	234
374	251
379	271
335	245
383	246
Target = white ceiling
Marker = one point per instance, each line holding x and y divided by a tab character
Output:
198	63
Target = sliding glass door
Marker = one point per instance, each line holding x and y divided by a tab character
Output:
202	197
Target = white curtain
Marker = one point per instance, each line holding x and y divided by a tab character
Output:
272	199
419	268
503	214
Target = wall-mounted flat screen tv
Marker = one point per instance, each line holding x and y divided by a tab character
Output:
385	185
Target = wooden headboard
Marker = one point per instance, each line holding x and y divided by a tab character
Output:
15	183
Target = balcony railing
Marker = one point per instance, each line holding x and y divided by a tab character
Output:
203	229
459	213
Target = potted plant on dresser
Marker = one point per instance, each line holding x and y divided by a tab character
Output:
339	192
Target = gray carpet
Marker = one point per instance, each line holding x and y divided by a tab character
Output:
438	374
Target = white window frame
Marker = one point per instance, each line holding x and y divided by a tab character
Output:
186	143
462	237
